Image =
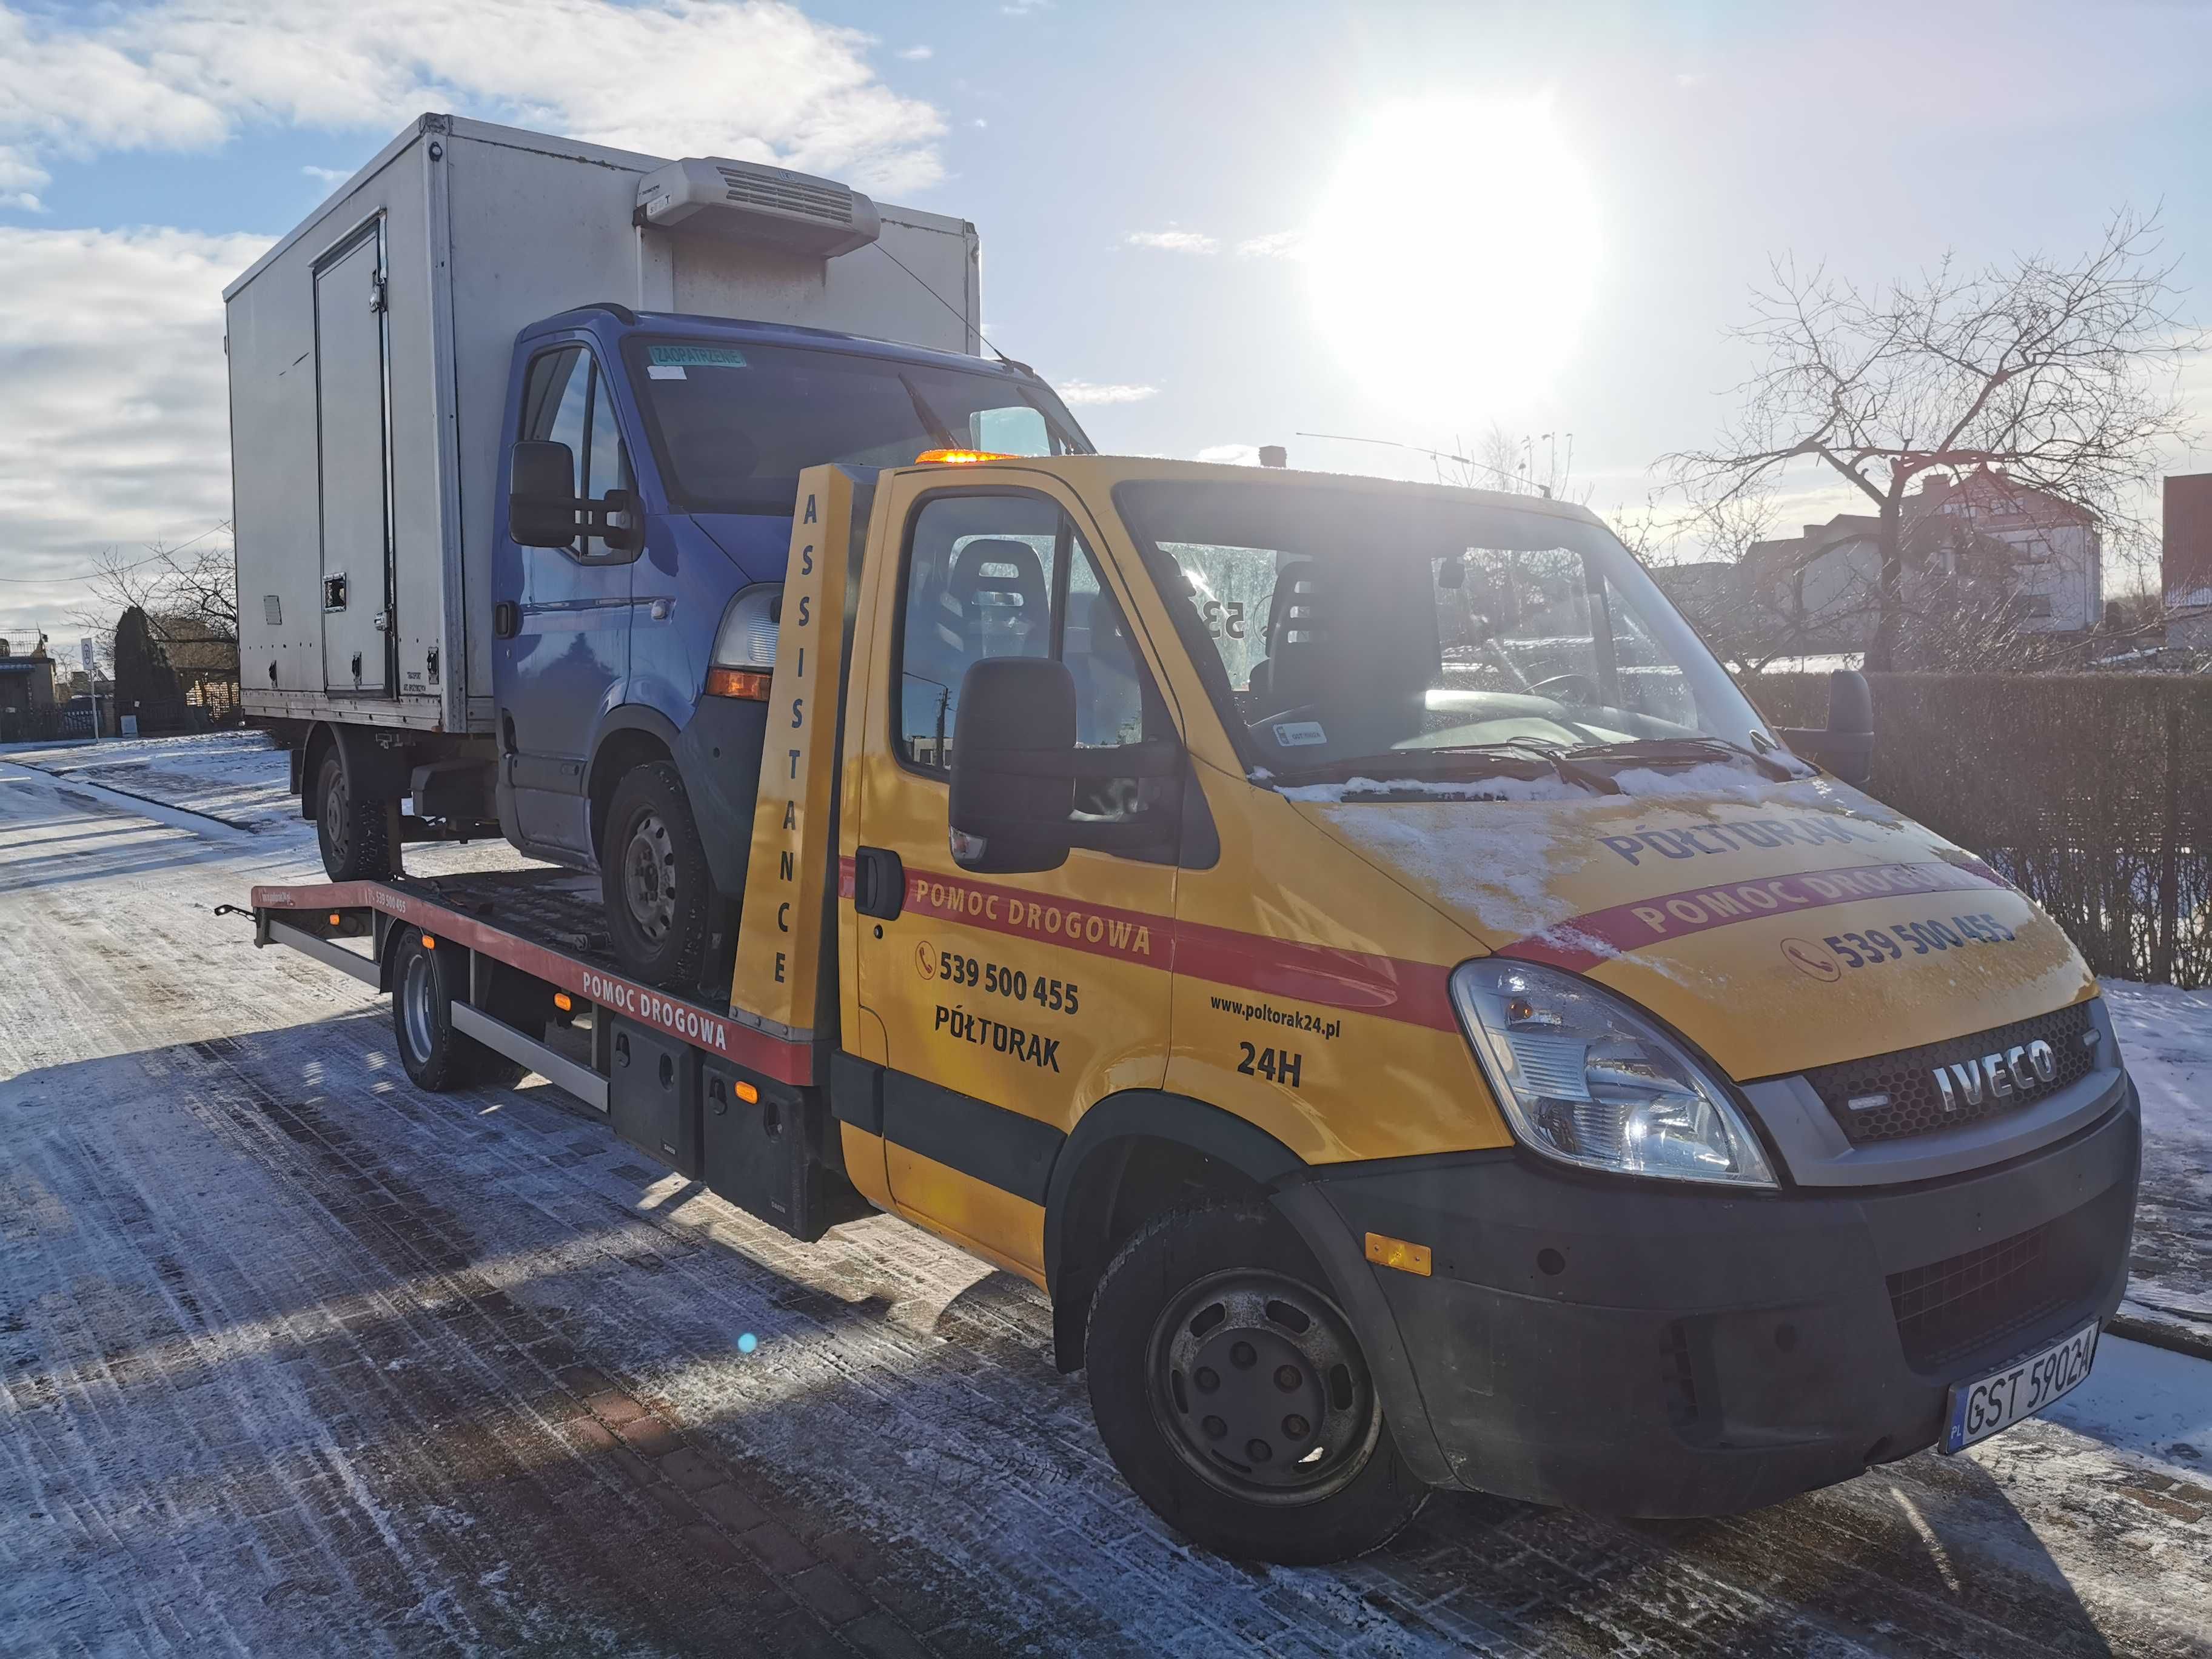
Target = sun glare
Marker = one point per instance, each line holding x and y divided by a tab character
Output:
1453	257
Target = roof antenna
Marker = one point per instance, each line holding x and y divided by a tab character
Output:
1010	361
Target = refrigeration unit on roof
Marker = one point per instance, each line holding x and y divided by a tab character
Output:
747	202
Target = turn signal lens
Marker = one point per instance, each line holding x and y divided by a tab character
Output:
1407	1258
744	1091
430	944
564	1002
747	682
958	457
337	921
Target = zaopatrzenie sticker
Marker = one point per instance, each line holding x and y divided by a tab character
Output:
682	355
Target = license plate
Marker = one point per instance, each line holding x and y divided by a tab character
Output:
1991	1404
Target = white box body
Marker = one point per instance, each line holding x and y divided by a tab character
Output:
466	233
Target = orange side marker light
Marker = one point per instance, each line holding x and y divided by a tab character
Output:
1401	1254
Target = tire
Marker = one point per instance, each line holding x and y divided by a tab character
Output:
356	836
660	900
1225	1308
437	1057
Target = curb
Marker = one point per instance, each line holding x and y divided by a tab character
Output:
2155	1334
75	782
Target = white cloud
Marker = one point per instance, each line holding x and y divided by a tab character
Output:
1086	392
1275	244
1173	241
327	175
1230	454
918	54
115	425
756	79
1025	8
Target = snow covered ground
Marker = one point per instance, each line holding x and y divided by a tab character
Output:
295	1359
2166	1036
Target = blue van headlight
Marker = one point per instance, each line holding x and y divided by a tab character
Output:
1584	1078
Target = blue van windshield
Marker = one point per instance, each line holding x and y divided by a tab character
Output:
733	424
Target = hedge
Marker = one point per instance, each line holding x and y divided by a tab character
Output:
2092	793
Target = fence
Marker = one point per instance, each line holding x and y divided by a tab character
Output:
49	725
2092	793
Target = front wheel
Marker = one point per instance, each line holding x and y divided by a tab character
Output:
659	897
1231	1392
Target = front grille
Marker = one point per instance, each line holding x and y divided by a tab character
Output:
1954	1306
1914	1105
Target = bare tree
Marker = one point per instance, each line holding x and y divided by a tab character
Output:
190	595
2063	375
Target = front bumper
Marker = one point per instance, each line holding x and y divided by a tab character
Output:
1646	1351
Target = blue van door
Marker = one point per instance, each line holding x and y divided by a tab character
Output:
570	650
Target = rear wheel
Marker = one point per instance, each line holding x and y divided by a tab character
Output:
354	835
1231	1392
660	900
435	1055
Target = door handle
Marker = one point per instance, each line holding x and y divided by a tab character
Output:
878	882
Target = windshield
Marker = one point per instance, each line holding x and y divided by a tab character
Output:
1347	630
733	425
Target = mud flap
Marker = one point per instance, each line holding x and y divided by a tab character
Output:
777	1154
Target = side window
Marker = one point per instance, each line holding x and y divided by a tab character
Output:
566	400
1008	575
1112	691
556	401
606	464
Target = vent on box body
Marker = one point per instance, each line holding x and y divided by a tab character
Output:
746	202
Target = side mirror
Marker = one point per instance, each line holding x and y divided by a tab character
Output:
1015	765
541	502
1012	796
1846	746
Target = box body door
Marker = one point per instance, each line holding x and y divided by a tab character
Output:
354	463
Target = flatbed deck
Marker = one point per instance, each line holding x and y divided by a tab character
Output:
544	923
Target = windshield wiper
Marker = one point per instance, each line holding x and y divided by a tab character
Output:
932	421
1688	749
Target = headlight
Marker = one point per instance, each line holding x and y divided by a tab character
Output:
747	637
1586	1079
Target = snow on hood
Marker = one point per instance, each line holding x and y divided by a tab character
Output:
1709	895
1513	874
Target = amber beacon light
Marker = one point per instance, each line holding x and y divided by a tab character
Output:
958	457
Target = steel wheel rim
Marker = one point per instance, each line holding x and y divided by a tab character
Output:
334	816
415	1001
1258	1384
649	876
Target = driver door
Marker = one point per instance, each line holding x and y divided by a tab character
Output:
570	655
1004	1005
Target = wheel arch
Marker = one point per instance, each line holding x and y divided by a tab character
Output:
370	768
1132	1155
632	734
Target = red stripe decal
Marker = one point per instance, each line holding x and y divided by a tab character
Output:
1587	940
1414	992
787	1062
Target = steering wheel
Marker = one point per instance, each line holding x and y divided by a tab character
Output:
1567	688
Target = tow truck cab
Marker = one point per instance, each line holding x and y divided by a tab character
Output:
1353	947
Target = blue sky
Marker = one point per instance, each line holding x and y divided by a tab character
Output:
1143	176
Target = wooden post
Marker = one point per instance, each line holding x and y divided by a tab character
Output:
2169	851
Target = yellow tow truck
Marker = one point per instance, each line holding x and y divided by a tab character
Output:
1350	943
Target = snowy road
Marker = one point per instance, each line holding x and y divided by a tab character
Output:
295	1359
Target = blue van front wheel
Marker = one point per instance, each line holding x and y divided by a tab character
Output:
658	893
